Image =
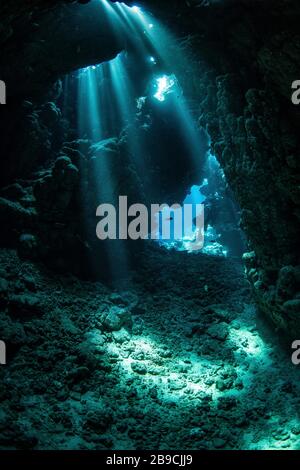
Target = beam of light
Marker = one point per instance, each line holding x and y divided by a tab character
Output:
159	38
136	9
128	21
110	9
161	41
107	5
91	122
67	94
123	89
92	93
116	22
127	105
133	27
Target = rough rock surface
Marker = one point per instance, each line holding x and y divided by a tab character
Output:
193	367
247	54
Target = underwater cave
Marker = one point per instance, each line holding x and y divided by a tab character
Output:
149	208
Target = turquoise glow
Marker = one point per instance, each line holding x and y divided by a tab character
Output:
127	105
165	85
109	100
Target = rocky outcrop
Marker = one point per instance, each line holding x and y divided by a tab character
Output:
247	54
161	362
253	127
50	39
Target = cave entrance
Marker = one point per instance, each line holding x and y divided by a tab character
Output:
135	120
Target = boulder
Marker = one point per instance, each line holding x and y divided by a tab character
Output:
116	318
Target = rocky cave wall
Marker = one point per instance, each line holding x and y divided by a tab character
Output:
248	56
251	55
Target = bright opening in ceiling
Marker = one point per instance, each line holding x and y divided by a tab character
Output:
164	86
